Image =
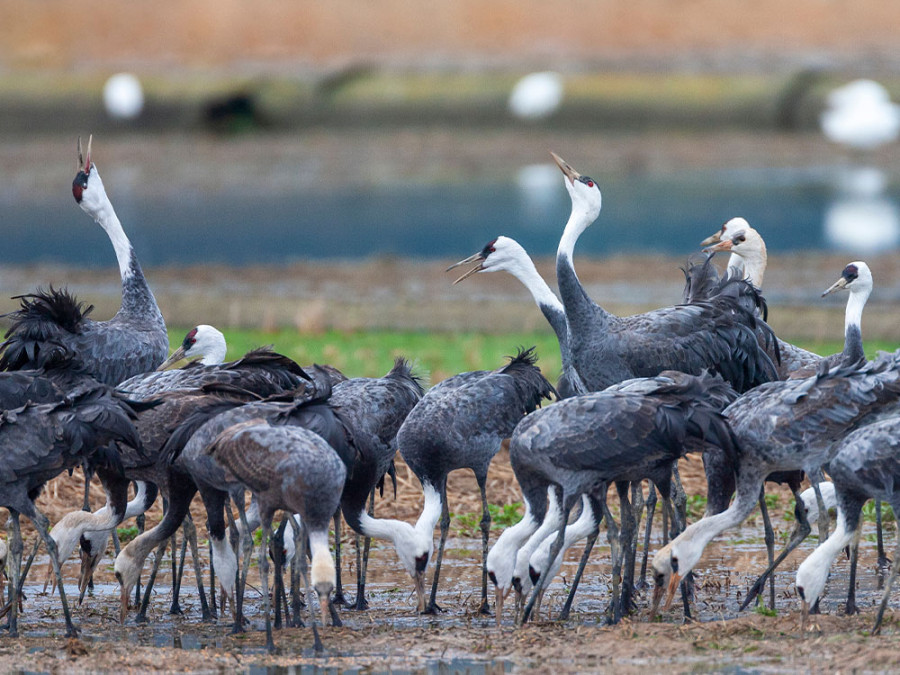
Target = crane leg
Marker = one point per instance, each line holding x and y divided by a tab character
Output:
485	535
588	547
883	563
264	582
141	522
175	608
615	554
276	548
310	602
339	598
769	538
41	523
15	565
850	607
890	582
627	534
432	607
557	546
246	552
142	612
362	566
190	536
297	532
651	510
637	509
801	531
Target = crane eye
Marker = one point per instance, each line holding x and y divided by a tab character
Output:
740	239
590	183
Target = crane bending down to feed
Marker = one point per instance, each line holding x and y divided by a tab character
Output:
461	423
785	426
293	469
581	445
865	465
37	443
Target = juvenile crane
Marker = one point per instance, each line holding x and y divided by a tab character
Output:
461	423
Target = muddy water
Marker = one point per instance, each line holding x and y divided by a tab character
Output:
390	637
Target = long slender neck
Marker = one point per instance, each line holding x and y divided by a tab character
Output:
577	304
550	305
853	345
753	268
431	510
137	298
819	561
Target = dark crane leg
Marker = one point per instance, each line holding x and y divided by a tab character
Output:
276	548
433	607
362	566
887	591
145	602
816	477
339	598
264	581
628	531
883	562
190	536
850	607
565	509
801	531
600	511
41	524
246	550
15	565
141	522
297	532
637	509
769	538
175	608
485	535
651	510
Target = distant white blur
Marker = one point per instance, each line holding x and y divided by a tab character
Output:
123	96
861	116
536	95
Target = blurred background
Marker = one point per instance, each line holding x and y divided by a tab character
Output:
316	166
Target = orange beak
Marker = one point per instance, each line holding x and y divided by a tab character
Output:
724	245
674	581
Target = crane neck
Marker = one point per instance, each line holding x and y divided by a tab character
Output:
107	219
750	267
814	570
578	305
853	343
550	305
431	510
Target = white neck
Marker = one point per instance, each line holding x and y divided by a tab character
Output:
107	219
322	563
551	524
431	511
754	269
855	304
817	564
578	222
215	355
525	271
136	506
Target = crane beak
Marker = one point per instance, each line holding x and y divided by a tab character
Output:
84	164
674	580
177	356
804	615
123	603
723	245
657	597
712	239
569	172
88	565
838	285
477	258
323	605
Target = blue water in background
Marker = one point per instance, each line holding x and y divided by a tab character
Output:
641	213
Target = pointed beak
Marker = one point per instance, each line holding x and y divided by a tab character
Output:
712	239
84	164
838	285
723	245
674	580
804	615
123	603
569	172
177	356
323	605
420	591
477	258
657	597
88	565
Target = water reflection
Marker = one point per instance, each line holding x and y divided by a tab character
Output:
459	666
862	219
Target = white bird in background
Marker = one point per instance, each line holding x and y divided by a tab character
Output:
536	96
861	116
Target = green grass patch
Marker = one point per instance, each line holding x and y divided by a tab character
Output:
502	516
887	513
126	534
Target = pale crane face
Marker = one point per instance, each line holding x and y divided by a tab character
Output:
856	277
87	188
583	190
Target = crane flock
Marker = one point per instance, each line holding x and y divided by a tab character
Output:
635	395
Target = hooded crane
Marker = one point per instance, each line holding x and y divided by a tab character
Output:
581	445
857	280
293	469
38	442
787	425
507	255
133	341
461	423
865	465
606	349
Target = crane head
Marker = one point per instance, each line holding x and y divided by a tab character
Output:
83	169
204	342
583	190
856	276
500	254
728	229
